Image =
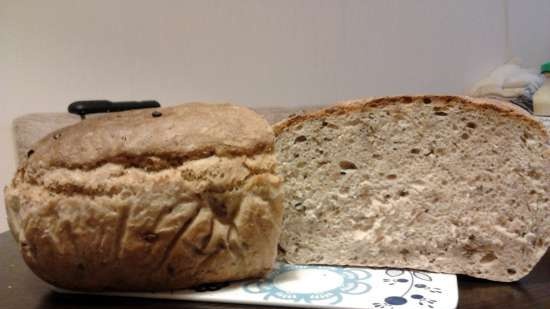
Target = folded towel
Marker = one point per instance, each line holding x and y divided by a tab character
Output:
522	79
512	83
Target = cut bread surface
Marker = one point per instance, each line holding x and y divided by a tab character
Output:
440	183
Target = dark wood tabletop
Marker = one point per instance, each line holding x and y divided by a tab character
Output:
21	290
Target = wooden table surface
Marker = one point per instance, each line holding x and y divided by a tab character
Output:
21	290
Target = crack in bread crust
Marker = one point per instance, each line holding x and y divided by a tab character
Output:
170	247
156	161
121	230
222	174
69	189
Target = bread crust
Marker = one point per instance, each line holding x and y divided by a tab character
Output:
354	105
126	216
191	131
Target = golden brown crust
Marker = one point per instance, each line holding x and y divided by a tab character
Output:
150	240
360	104
187	131
121	215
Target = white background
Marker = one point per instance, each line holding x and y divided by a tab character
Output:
257	53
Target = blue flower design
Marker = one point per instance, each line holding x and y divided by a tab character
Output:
334	281
398	276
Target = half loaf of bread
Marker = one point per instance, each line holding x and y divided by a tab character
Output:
440	183
151	199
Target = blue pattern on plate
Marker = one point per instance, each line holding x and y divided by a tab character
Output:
352	281
407	278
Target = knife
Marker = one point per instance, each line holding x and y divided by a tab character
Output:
82	108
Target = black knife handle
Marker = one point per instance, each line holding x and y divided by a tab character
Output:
83	108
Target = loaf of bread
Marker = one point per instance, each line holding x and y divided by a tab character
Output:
150	200
440	183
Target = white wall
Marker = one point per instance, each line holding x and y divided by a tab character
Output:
529	34
253	52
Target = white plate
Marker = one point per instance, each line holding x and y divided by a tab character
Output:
328	287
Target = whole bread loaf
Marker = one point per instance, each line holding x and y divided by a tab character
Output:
152	199
440	183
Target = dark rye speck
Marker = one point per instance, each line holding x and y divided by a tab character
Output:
29	153
347	165
300	139
150	237
171	270
156	114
